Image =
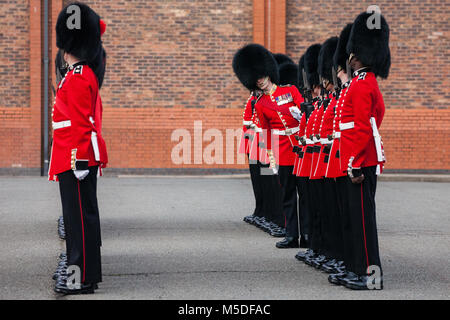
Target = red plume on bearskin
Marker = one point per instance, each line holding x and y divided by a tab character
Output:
102	27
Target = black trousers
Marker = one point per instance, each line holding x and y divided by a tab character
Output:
289	196
273	196
254	167
82	223
333	242
303	209
344	221
361	201
316	207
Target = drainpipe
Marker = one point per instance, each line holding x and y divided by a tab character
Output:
46	87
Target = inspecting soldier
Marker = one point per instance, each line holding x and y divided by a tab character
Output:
256	68
79	151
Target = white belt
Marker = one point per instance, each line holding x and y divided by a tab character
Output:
247	123
286	132
337	135
309	141
346	126
315	140
325	141
256	129
61	124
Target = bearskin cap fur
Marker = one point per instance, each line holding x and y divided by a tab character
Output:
301	66
83	43
312	64
253	62
326	58
371	46
282	58
340	56
288	74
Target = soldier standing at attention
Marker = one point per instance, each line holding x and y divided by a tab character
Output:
361	147
79	151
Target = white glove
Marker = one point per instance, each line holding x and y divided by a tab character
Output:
81	174
296	113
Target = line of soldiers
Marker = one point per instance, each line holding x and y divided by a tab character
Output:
311	136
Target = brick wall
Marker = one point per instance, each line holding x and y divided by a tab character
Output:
169	65
20	88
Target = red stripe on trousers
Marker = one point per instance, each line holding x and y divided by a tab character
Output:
82	231
364	225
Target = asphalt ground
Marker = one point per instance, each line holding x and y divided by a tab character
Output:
183	238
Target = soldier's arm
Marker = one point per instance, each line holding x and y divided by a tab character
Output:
79	94
265	125
363	102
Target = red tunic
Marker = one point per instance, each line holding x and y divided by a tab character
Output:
247	134
326	131
363	101
316	139
257	148
77	122
304	169
334	166
301	133
275	117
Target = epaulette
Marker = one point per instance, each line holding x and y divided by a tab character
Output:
78	69
362	76
285	85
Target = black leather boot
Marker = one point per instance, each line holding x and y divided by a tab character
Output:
288	242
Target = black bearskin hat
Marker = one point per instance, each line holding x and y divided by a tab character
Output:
371	46
288	74
253	62
98	65
60	66
84	42
326	58
311	64
301	66
282	58
340	56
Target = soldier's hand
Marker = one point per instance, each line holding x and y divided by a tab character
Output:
358	180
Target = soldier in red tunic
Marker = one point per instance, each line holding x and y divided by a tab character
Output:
309	152
303	214
333	170
256	68
361	149
330	227
78	150
248	135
